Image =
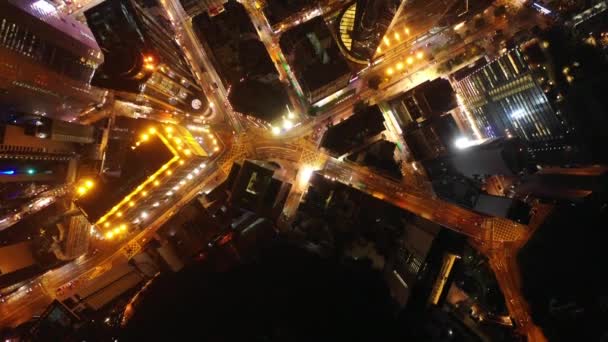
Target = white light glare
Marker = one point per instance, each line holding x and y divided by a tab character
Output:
464	142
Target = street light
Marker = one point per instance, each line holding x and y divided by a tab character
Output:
305	175
287	124
276	130
409	60
419	54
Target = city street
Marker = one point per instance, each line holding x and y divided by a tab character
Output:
297	153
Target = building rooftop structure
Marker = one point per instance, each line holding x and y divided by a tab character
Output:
317	62
281	11
256	189
354	131
143	62
242	61
523	93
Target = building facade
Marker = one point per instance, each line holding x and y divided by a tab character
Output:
47	61
506	97
196	7
143	62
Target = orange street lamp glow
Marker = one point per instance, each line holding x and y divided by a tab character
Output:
144	193
107	224
386	41
119	214
181	162
88	183
131	204
399	66
419	54
397	36
123	227
169	172
145	137
81	190
152	130
109	235
407	31
409	60
156	183
389	71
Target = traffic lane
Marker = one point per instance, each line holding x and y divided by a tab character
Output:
207	74
19	309
391	56
451	216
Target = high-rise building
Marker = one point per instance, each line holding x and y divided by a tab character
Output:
143	62
506	97
196	7
47	60
315	59
546	91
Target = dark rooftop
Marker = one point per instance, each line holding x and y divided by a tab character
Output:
313	53
352	132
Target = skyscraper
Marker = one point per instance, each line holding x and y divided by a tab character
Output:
47	60
143	62
506	97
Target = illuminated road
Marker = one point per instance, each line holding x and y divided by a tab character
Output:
23	304
40	202
503	261
200	63
271	42
296	150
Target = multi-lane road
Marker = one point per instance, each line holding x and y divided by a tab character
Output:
295	153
